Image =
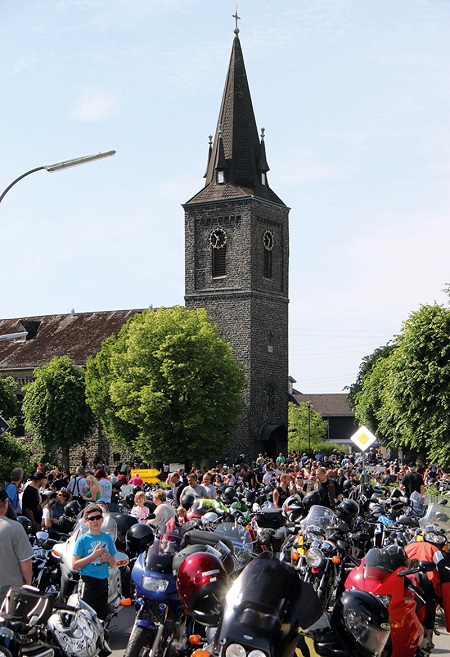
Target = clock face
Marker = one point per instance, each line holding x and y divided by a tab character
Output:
268	240
218	238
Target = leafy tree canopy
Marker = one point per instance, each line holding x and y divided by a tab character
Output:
168	387
405	398
55	408
300	421
9	406
15	454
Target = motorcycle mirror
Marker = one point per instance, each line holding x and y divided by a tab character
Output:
427	566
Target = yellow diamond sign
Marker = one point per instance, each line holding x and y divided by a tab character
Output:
363	438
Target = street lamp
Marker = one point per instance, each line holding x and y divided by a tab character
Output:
58	166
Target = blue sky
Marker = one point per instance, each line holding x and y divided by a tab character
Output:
355	100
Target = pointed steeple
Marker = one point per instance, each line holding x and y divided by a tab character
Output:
237	165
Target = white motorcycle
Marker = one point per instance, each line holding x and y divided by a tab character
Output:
70	577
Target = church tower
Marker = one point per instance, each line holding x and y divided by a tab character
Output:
237	263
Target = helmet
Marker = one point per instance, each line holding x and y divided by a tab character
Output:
293	508
311	499
78	632
187	501
209	518
435	535
139	537
347	511
72	509
361	622
268	490
129	500
25	522
347	484
229	494
250	497
202	583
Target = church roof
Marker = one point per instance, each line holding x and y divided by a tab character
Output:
327	404
237	149
77	335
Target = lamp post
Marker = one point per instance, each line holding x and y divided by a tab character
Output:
309	427
58	166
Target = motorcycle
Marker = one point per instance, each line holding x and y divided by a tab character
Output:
385	572
268	610
33	624
162	626
70	577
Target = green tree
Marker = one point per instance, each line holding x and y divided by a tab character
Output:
416	399
9	406
367	364
168	387
405	397
55	408
15	454
299	424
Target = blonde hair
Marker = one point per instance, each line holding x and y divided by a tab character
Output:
139	496
159	494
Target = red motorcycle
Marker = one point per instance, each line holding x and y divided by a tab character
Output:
406	593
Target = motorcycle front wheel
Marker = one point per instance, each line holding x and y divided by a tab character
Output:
141	642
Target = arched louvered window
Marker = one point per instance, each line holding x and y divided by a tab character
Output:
268	251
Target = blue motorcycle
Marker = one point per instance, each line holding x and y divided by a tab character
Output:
161	624
164	621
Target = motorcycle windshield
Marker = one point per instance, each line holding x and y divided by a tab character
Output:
160	555
265	598
109	526
240	538
319	520
379	563
437	514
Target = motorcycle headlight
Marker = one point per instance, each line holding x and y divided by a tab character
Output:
235	650
385	599
435	539
314	558
154	584
257	653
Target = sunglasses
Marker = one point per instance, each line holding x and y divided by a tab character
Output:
92	518
299	478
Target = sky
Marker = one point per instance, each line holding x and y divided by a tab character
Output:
354	96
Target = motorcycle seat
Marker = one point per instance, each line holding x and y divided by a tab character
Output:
201	537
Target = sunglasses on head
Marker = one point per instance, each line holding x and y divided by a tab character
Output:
95	517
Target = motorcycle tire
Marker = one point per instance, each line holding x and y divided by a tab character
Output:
140	642
4	652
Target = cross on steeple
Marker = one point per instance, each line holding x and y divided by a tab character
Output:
238	18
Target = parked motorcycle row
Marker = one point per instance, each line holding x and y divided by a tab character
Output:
240	578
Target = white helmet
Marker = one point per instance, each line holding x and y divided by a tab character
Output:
209	518
78	632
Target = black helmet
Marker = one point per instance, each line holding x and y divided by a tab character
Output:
139	537
129	500
311	499
293	503
347	484
72	509
348	511
250	497
269	492
229	494
25	522
187	501
361	621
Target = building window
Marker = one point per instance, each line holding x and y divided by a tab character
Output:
268	250
220	177
218	241
270	391
270	342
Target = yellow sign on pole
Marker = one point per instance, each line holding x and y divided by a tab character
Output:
363	438
149	475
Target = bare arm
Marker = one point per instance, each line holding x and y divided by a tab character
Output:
27	571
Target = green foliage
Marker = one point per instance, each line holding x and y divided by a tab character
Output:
298	428
55	408
365	369
405	398
9	406
15	454
168	387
